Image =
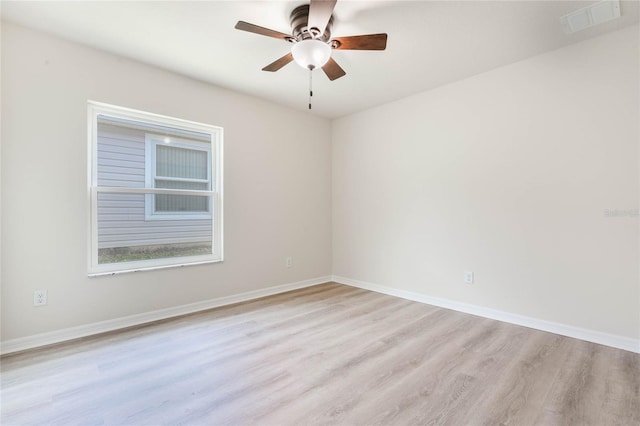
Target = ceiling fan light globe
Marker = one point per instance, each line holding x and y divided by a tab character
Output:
311	54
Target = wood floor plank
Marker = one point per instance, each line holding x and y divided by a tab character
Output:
324	355
520	389
596	385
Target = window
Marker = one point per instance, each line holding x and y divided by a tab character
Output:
180	164
155	191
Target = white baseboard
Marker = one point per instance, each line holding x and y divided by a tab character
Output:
43	339
620	342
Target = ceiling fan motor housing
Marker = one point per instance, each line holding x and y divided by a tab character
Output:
300	22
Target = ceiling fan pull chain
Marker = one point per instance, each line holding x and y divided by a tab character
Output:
310	86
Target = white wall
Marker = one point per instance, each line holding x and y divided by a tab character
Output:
277	187
507	174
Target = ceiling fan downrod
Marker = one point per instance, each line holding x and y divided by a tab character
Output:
310	85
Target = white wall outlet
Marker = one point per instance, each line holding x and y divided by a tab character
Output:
289	262
468	277
39	297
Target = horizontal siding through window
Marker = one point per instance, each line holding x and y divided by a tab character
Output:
201	228
166	238
121	217
121	223
121	161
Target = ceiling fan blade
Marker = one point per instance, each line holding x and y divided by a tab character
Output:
361	42
279	63
319	14
245	26
333	70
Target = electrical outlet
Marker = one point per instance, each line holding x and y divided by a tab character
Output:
468	277
289	262
39	297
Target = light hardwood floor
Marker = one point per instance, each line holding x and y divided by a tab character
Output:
328	354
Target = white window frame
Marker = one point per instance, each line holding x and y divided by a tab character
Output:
96	109
151	142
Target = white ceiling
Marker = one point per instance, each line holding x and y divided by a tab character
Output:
430	43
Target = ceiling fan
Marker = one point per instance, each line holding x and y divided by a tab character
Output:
311	38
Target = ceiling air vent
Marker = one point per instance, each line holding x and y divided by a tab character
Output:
589	16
